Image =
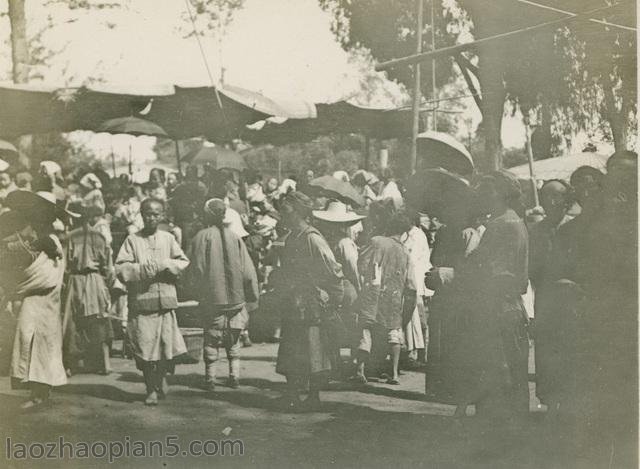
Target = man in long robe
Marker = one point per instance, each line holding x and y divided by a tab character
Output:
149	262
310	284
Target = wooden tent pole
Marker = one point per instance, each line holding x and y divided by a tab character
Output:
532	175
113	161
416	92
434	90
177	144
367	152
130	162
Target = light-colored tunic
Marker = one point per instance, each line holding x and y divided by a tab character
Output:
37	348
90	269
391	191
149	265
418	247
347	255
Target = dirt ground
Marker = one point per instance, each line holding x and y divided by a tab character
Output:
376	426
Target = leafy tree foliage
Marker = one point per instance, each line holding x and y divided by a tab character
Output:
578	77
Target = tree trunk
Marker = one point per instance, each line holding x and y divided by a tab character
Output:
617	119
493	95
20	66
493	59
19	44
541	139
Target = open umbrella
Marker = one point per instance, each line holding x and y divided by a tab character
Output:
435	190
216	156
8	151
7	147
440	150
328	186
132	126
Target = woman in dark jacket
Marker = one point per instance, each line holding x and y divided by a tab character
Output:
492	351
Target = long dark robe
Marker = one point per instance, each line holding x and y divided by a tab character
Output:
311	291
606	401
451	247
492	354
558	305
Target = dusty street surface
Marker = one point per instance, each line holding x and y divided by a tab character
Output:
377	426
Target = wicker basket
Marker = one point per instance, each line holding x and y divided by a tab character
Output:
194	340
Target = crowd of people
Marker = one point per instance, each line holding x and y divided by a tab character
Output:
86	257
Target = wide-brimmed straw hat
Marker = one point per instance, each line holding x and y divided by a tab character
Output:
40	205
336	212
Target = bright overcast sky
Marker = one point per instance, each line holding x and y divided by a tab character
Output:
282	48
278	47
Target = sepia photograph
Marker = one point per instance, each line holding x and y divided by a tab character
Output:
319	234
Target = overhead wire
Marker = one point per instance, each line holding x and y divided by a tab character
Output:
569	13
206	63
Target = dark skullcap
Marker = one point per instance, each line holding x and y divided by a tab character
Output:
586	173
215	207
300	202
506	184
623	159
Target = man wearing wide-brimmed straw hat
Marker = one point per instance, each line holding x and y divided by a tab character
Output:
338	224
310	284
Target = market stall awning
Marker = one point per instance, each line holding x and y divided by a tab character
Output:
287	108
220	115
340	117
193	112
27	109
561	167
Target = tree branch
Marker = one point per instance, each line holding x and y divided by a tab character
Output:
467	78
468	65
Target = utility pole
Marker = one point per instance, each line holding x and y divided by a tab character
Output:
416	92
434	90
367	154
